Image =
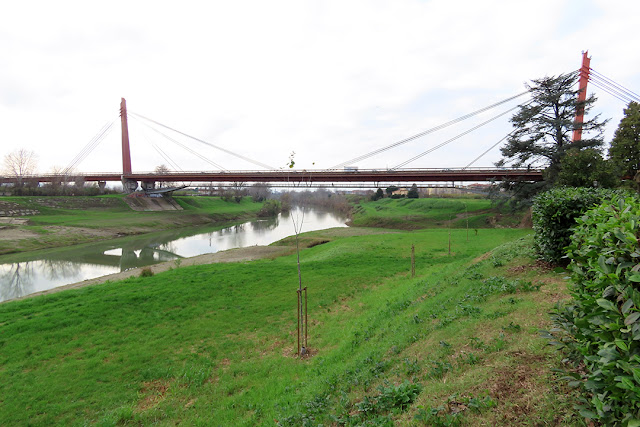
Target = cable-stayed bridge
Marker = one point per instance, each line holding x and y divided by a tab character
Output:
343	174
348	176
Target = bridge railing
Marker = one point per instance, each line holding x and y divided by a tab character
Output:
342	171
306	175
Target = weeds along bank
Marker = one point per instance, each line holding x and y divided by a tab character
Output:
214	344
48	222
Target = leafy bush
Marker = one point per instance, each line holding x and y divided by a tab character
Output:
269	208
600	328
554	213
390	398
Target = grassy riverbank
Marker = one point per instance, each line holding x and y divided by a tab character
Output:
65	221
214	344
413	214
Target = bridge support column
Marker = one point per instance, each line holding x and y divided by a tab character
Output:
148	185
102	185
129	185
585	70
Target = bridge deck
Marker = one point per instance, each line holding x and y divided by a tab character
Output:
302	176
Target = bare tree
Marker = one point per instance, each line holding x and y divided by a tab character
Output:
163	170
20	163
79	182
303	329
57	180
259	191
238	190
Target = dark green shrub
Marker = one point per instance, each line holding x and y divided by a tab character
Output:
392	397
600	328
146	272
379	194
413	192
269	208
554	213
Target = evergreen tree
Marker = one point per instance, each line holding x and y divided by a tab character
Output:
413	192
625	146
543	130
587	168
378	195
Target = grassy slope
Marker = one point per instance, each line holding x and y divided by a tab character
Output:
112	214
214	344
411	214
70	211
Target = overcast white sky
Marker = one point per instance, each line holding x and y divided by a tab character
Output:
329	80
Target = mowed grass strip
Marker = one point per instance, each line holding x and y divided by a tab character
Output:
215	344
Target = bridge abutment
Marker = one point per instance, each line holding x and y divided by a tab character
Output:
148	185
129	185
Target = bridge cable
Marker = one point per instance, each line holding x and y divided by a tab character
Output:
426	132
487	151
604	79
611	91
454	138
164	155
91	145
206	143
195	153
159	151
168	159
610	88
497	143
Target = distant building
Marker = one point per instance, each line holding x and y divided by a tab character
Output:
400	192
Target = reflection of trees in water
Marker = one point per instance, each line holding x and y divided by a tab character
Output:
321	215
262	226
16	281
238	228
60	269
236	240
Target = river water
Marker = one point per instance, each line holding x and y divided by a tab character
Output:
38	272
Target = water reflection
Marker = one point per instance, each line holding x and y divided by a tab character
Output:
16	279
35	273
55	270
265	225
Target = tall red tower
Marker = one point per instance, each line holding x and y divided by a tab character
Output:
582	95
126	154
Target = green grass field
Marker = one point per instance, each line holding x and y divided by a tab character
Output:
215	344
411	214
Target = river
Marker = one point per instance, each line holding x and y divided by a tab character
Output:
39	272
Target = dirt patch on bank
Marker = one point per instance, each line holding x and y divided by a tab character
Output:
11	233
